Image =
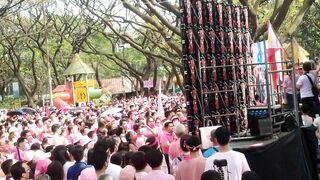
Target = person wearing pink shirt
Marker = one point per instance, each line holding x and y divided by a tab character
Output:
154	130
167	138
288	88
131	139
154	158
140	164
131	119
191	168
19	153
174	149
184	155
124	124
128	172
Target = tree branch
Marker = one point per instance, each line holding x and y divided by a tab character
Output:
174	29
161	29
171	8
297	21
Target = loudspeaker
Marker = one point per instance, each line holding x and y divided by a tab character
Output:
259	122
290	122
260	127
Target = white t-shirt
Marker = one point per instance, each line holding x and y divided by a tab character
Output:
305	85
66	168
237	164
306	120
114	171
316	122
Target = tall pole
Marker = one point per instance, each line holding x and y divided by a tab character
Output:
268	86
47	52
293	79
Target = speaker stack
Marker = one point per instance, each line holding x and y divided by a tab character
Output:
216	46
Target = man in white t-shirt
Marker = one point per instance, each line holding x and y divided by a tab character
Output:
236	162
305	87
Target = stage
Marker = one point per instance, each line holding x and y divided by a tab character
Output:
241	144
284	156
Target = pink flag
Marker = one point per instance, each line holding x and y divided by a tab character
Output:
274	48
160	106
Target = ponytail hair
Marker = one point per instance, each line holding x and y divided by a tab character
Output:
193	143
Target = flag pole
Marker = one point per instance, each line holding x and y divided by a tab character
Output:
293	76
47	52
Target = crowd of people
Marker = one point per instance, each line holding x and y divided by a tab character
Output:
126	140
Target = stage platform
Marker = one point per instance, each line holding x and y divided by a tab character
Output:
254	142
284	156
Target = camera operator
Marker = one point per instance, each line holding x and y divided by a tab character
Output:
231	162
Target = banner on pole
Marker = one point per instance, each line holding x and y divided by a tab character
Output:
148	84
258	57
81	94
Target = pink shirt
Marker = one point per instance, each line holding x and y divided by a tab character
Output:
21	153
158	174
141	140
174	149
287	84
127	173
146	132
131	124
166	138
88	174
191	169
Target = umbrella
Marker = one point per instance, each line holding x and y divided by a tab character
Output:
111	111
27	110
13	113
70	110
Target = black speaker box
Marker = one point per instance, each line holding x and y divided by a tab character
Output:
260	127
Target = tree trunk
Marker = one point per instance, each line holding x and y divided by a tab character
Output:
3	87
26	91
155	78
167	84
141	92
56	79
96	69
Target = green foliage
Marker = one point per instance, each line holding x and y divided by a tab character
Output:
308	34
7	102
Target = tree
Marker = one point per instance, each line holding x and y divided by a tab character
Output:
140	36
308	34
10	6
161	18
